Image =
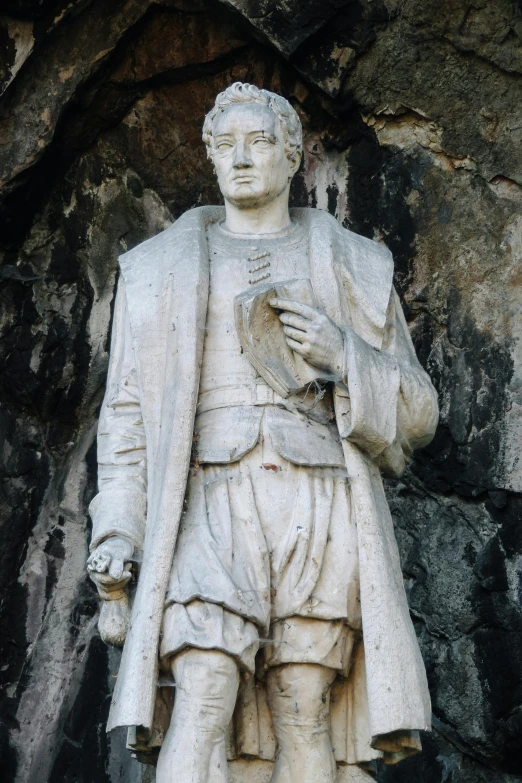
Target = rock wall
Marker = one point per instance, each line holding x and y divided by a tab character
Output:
411	110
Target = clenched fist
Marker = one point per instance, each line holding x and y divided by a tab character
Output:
312	334
110	558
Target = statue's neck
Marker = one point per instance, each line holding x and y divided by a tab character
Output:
270	218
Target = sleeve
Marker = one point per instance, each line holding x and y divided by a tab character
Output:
119	508
391	406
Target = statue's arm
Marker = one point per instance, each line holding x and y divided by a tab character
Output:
119	507
392	403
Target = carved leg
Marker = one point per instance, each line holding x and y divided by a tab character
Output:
194	747
299	697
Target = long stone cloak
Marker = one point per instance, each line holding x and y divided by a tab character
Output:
387	408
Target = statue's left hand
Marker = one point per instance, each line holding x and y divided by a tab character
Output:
312	334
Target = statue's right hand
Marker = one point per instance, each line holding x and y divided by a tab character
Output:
110	558
109	569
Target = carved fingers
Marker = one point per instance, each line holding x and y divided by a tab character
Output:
116	568
98	561
289	305
296	322
110	558
312	334
296	334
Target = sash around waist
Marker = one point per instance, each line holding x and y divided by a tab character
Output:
229	421
237	396
315	403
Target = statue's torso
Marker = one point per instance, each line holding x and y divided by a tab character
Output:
235	404
231	262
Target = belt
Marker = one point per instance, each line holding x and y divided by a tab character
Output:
232	396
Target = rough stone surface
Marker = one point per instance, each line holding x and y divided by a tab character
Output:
412	134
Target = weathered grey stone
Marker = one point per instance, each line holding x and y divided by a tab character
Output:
412	135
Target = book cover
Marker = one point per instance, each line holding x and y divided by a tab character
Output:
263	340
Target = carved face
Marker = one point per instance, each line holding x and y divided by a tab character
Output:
249	155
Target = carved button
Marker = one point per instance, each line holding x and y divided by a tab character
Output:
259	256
258	279
259	266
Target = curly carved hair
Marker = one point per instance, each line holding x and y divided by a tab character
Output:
249	93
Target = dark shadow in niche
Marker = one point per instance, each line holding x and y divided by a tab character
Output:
82	756
498	638
464	455
379	183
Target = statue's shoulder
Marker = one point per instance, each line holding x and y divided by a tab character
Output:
174	237
328	226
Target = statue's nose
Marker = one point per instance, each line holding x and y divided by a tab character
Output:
242	159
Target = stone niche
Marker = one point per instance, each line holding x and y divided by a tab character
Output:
412	135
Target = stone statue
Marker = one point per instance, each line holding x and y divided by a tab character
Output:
261	379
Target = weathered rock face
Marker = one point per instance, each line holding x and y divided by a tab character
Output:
412	127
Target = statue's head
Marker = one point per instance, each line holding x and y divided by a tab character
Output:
254	139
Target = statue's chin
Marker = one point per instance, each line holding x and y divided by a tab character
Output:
250	200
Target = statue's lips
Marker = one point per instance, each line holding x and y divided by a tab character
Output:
243	180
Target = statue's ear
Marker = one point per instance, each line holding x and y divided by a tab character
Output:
294	168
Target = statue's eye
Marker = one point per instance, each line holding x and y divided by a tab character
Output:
261	142
224	145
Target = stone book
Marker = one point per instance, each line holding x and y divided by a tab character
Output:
263	340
